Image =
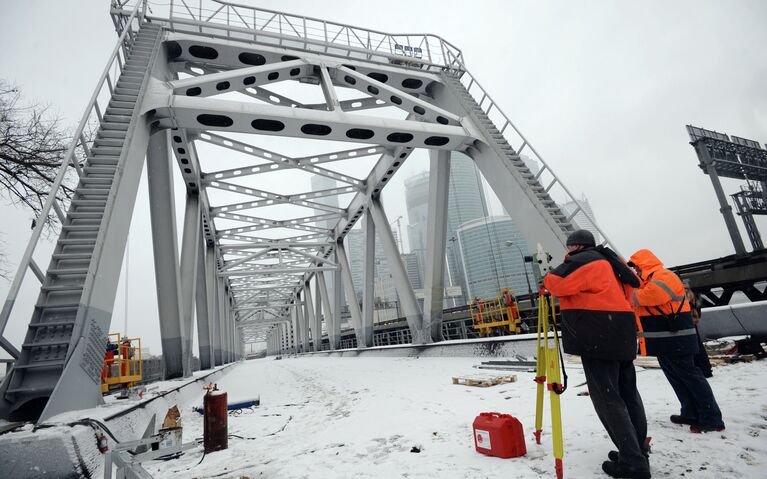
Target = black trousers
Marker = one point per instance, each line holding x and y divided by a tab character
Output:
691	388
613	391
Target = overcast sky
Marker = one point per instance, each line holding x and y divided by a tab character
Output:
602	89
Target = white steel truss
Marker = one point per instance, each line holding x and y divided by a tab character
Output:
209	81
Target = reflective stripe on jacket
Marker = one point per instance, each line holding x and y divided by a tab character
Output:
664	318
597	318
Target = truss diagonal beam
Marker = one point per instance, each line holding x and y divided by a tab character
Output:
279	162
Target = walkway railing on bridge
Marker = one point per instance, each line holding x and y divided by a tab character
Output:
230	20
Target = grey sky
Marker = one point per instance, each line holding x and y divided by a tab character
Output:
602	89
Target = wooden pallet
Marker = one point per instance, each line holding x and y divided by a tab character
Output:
484	381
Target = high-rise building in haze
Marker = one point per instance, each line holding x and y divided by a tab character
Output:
323	183
489	263
466	202
581	218
383	283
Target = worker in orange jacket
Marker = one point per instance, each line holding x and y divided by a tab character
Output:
666	330
598	324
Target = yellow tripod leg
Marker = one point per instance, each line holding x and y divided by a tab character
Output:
540	368
553	373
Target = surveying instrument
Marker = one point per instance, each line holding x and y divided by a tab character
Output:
550	366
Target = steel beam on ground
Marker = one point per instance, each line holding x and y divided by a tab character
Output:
368	280
401	282
436	238
191	238
165	245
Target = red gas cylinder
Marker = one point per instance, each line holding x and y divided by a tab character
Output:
499	435
215	421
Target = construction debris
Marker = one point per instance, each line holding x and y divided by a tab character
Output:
484	381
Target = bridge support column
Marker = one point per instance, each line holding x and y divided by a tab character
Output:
368	280
212	294
401	282
351	297
436	238
302	321
328	313
164	242
335	334
202	308
296	325
317	313
188	269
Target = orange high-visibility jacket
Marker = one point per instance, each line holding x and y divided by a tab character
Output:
597	319
663	314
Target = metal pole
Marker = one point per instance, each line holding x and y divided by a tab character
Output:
202	308
368	281
436	234
724	206
399	275
213	316
317	312
164	242
328	313
310	318
335	335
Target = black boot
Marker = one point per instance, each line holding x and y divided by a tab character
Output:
614	469
677	419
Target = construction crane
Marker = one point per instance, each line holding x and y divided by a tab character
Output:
398	220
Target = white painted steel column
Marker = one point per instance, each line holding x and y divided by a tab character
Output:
294	309
213	311
368	280
335	335
436	238
201	307
188	270
317	312
351	297
164	242
309	309
328	313
401	282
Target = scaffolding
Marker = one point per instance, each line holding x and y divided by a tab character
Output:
122	363
497	316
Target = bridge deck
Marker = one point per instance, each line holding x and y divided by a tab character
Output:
341	417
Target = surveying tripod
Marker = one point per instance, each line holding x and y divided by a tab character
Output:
549	363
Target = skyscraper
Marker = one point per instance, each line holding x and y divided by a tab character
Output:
582	217
323	183
489	263
466	202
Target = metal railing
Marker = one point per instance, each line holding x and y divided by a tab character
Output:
75	157
242	22
545	176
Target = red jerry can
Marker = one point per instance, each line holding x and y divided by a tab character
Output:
499	435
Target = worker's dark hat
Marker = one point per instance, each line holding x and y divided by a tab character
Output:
581	237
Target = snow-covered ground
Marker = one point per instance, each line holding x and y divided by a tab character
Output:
360	417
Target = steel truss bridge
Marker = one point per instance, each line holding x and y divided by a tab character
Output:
195	82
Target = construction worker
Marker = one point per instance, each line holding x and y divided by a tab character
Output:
666	330
598	323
